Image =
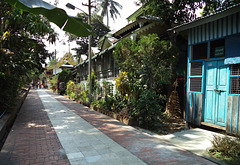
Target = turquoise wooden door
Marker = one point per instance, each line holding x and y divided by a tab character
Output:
216	93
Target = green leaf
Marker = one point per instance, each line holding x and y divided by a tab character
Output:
56	15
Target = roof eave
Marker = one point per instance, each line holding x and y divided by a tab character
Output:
207	19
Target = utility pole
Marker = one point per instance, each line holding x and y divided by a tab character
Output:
89	48
55	63
89	5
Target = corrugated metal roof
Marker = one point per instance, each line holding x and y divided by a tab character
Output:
99	54
212	17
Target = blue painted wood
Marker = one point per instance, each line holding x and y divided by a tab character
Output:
195	107
215	30
237	115
221	98
216	93
210	96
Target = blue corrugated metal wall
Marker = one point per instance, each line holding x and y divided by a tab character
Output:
203	33
214	30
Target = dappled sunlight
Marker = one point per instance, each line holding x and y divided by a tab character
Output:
30	125
191	136
71	117
163	145
43	96
84	132
60	127
60	111
46	110
47	101
52	112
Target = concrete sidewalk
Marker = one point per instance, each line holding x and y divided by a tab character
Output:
32	139
197	141
51	129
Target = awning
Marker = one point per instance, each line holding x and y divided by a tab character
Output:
232	44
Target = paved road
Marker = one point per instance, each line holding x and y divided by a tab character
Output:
51	129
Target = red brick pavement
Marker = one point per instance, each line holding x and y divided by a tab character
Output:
149	149
32	139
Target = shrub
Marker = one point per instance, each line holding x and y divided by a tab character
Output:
93	83
70	87
53	83
109	102
226	148
108	88
9	88
65	76
122	83
147	110
102	103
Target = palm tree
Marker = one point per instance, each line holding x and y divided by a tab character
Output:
109	6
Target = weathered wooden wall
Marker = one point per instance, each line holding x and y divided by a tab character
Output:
195	108
103	66
233	115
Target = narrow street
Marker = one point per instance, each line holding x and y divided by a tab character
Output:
51	129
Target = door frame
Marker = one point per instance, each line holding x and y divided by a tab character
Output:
205	90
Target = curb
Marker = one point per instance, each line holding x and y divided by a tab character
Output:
7	121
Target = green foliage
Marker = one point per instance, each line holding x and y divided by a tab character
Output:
147	109
158	59
217	5
9	88
172	12
122	83
108	6
22	52
93	84
126	56
98	28
147	72
77	92
80	88
70	88
52	61
123	105
98	89
65	76
148	63
55	15
108	95
53	82
102	103
73	96
226	148
109	102
108	88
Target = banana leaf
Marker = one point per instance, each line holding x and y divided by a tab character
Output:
56	15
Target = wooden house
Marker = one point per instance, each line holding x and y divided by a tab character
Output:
213	74
103	62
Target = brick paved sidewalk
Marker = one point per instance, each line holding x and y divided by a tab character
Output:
149	149
32	139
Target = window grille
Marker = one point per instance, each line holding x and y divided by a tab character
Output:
195	77
196	69
235	85
196	84
235	79
235	69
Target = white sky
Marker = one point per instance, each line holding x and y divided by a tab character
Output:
129	7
